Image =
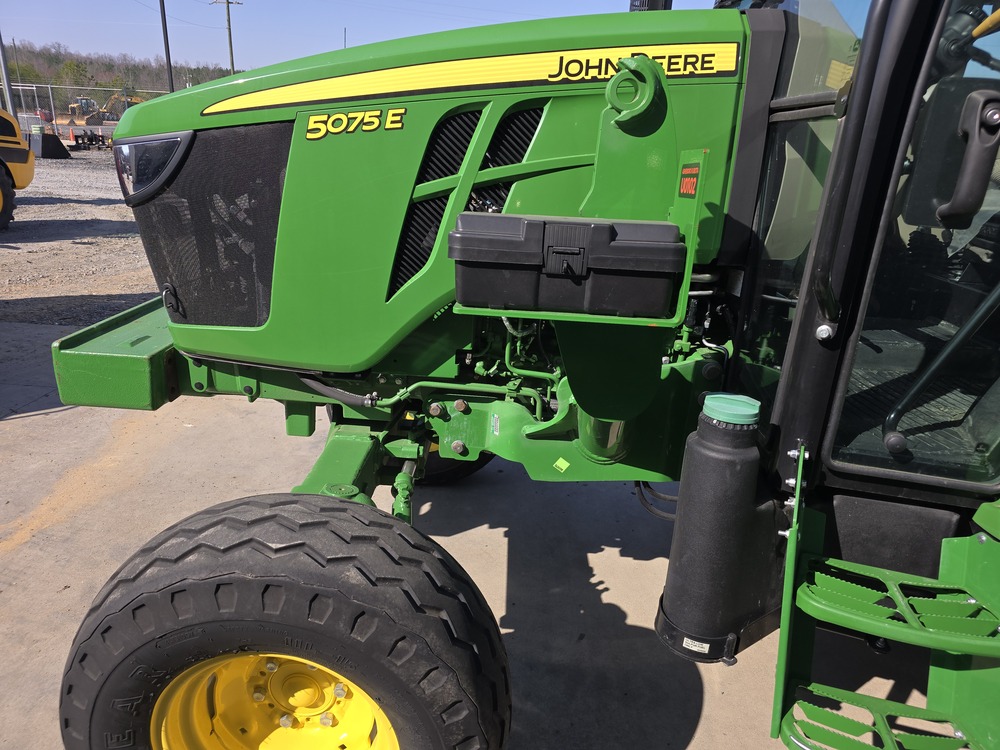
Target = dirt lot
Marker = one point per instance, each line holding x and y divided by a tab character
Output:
72	255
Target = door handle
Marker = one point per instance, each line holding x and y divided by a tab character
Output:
979	124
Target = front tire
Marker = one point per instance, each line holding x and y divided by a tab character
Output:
6	199
296	620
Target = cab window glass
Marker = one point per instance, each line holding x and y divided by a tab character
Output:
821	43
923	392
798	160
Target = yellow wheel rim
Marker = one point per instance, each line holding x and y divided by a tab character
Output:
267	702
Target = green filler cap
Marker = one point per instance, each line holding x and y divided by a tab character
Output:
731	408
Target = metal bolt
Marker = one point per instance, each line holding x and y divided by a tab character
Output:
458	446
783	532
435	410
793	454
461	406
791	481
981	538
971	600
790	502
326	719
399	381
340	690
824	332
382	380
959	734
287	721
991	116
259	695
248	389
271	666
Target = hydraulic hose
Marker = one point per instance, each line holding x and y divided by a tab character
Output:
372	400
345	397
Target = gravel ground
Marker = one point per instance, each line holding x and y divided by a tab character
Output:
72	255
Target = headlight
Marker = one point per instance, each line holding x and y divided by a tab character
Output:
145	164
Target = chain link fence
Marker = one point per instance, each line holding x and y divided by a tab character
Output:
96	108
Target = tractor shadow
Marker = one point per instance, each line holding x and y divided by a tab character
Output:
43	200
27	382
584	675
76	310
77	231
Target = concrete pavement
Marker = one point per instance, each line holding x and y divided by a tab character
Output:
572	572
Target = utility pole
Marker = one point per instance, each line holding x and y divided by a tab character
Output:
8	91
229	30
166	48
13	43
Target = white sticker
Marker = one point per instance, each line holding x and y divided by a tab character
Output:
495	423
701	648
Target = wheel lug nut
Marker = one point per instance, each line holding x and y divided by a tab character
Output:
287	721
340	690
271	666
259	695
326	719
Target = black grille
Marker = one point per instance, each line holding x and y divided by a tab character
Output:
7	129
420	231
447	146
211	233
511	138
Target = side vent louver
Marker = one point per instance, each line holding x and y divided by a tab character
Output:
509	145
420	231
511	138
445	153
447	147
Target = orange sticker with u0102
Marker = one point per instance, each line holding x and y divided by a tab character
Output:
362	121
689	180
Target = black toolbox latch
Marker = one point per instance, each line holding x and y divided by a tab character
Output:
566	249
566	261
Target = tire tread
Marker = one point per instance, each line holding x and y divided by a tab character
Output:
375	560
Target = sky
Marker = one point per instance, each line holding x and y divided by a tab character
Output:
264	31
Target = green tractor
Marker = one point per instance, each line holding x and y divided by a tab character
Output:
750	249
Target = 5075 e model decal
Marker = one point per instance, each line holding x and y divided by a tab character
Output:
365	121
710	59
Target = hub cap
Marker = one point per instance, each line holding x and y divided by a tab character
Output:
267	702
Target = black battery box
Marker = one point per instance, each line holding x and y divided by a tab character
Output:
544	263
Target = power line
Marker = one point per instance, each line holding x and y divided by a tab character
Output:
175	18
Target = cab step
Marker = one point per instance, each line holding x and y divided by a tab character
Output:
828	718
926	612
